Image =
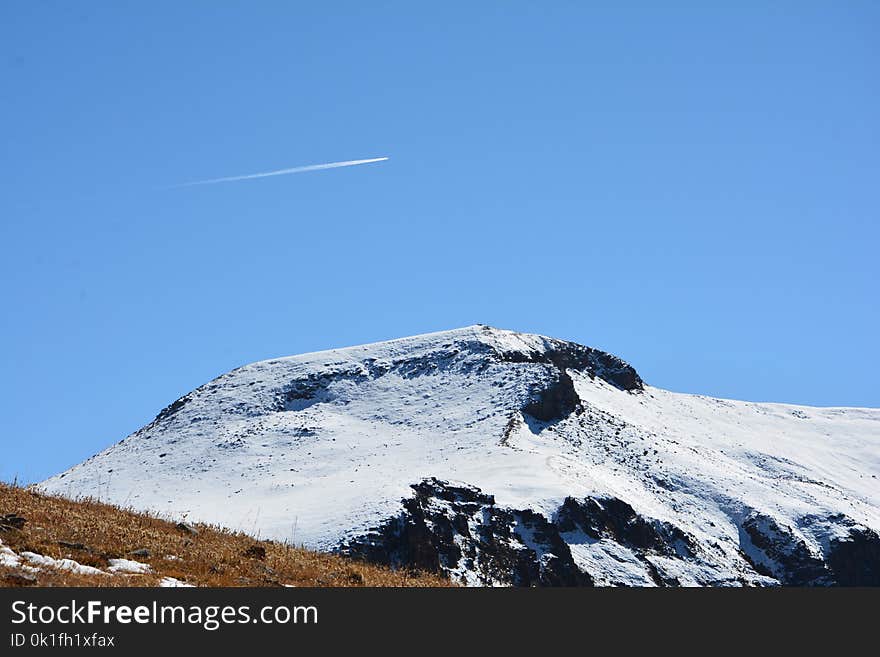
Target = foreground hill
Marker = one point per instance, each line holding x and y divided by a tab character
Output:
505	458
50	541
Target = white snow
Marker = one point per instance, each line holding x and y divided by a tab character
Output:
383	416
42	561
33	562
171	582
129	566
10	559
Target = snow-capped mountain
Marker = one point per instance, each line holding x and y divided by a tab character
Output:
508	458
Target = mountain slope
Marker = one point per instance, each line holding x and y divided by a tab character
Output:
507	458
52	541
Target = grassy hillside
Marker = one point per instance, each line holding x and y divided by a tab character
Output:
91	534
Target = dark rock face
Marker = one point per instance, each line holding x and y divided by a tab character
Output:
558	399
775	550
255	552
186	528
10	521
453	529
75	545
459	530
615	519
171	409
555	402
855	561
301	392
572	356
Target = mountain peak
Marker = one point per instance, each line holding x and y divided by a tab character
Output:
487	342
502	457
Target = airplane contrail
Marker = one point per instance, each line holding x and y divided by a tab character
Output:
284	172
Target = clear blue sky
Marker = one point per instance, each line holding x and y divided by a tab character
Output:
690	187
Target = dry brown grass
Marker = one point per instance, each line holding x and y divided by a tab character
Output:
213	557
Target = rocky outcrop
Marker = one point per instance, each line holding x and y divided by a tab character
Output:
555	402
557	399
551	401
855	560
10	521
844	552
614	519
170	410
460	531
774	549
572	356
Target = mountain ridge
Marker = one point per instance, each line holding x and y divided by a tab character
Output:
508	458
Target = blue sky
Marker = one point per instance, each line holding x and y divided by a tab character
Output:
693	188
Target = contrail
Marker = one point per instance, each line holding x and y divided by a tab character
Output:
284	172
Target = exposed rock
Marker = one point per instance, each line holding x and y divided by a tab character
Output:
70	545
255	552
774	549
570	355
615	519
171	409
186	528
141	552
555	402
459	530
11	521
855	561
558	399
844	553
558	354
